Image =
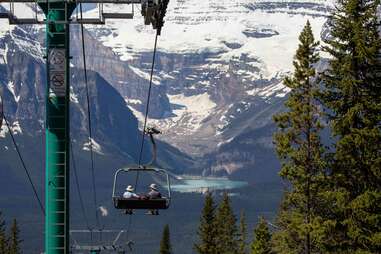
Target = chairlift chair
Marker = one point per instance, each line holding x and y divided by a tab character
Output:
137	203
141	203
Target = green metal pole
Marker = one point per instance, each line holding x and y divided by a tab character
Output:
57	137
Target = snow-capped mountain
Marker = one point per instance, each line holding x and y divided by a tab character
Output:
218	75
217	60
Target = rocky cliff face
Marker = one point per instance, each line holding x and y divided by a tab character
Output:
130	82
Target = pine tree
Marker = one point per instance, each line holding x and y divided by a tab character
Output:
165	244
262	239
14	239
227	232
242	233
353	97
3	236
301	153
207	231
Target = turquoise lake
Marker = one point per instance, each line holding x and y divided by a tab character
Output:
203	185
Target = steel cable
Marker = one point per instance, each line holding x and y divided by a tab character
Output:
89	120
147	108
24	167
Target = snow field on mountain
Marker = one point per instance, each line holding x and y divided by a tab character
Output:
277	52
205	26
145	75
202	26
198	106
279	90
191	110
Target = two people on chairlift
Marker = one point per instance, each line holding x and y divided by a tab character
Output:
152	194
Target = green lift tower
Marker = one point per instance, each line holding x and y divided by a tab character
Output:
58	17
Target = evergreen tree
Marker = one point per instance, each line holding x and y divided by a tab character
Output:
165	244
242	233
352	94
262	239
3	236
301	153
14	239
227	232
207	231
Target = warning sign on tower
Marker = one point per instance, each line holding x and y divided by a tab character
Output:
57	72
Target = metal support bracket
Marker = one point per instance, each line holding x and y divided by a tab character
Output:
151	131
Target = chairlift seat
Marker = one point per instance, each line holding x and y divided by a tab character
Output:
135	203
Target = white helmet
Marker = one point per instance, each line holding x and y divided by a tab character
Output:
153	186
130	188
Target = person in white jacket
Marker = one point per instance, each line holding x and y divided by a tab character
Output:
129	193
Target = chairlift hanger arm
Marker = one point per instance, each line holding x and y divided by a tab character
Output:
117	237
151	131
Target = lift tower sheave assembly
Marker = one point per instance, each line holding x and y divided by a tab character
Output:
57	133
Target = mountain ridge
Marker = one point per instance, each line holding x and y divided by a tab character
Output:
204	88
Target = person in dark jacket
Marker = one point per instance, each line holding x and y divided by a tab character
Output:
153	194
